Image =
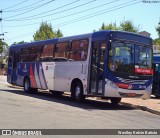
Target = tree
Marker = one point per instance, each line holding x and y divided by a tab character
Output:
21	42
59	33
124	26
156	41
111	26
158	29
128	26
2	44
46	32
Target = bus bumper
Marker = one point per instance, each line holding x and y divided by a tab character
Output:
112	90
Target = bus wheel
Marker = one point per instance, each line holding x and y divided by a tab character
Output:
27	85
77	92
115	101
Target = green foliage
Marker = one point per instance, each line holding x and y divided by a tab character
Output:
46	32
21	42
128	26
158	29
59	33
156	41
124	26
1	45
111	26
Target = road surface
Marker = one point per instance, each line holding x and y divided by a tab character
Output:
20	110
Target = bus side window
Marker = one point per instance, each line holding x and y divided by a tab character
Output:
48	53
33	54
25	57
79	50
62	51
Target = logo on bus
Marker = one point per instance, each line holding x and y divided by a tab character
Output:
125	86
25	68
130	87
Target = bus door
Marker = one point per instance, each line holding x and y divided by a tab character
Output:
156	80
15	57
97	66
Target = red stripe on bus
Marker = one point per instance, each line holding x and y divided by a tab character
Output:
32	78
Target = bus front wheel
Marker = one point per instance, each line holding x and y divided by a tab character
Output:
115	100
77	92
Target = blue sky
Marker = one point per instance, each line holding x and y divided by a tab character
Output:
21	18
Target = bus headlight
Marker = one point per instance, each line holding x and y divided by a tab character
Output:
149	88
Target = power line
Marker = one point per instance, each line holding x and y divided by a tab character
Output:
28	18
73	13
38	6
87	16
16	4
24	8
96	14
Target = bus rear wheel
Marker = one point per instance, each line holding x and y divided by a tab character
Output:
115	100
27	86
77	92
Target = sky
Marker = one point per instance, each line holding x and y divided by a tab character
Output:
22	18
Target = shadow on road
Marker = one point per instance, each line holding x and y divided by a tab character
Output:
89	104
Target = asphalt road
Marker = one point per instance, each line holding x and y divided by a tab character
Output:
43	110
20	110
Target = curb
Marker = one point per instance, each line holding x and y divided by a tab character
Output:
143	108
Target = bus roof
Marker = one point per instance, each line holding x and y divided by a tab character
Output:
99	35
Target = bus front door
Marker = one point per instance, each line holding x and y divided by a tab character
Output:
97	66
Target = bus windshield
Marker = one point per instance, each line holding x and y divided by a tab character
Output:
126	57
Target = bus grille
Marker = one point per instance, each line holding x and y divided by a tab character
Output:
132	81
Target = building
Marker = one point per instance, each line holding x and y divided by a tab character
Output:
145	33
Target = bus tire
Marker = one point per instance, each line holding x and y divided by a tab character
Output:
115	100
27	86
77	92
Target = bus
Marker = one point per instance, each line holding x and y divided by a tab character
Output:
107	64
156	76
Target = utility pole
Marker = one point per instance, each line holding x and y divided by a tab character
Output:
1	21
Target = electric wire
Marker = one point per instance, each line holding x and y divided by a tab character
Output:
28	18
37	7
25	7
81	18
15	5
76	13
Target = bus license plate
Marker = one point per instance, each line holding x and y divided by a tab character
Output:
131	94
